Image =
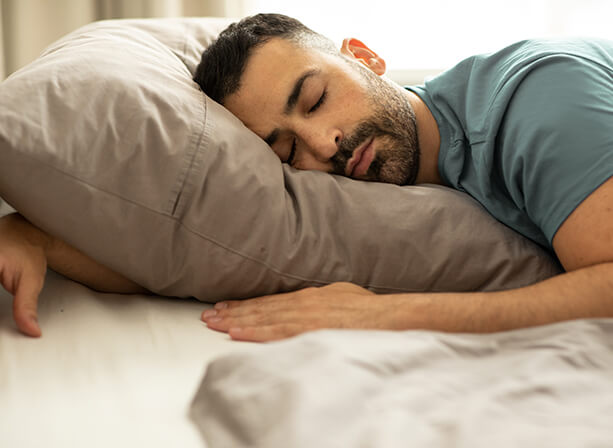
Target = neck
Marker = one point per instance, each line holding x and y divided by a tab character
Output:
429	141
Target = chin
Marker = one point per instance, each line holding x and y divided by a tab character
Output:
394	173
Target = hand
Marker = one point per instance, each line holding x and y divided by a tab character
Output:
339	305
23	265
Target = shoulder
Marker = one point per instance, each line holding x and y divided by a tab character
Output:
532	53
538	70
556	136
559	98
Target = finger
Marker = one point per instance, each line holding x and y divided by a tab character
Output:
224	323
231	304
268	303
225	319
260	318
227	304
266	333
246	303
248	310
25	306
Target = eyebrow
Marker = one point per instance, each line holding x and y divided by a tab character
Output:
292	100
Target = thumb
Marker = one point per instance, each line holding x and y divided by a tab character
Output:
25	305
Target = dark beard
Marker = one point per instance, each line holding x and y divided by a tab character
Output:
394	125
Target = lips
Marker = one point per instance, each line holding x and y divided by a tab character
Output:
360	161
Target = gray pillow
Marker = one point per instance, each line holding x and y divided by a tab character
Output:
107	143
5	209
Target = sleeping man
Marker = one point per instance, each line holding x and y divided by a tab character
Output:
527	131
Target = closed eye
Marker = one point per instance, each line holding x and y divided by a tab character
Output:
316	106
319	102
292	153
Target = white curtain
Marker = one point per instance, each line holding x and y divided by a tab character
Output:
28	26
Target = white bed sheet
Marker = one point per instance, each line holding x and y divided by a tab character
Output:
549	386
110	370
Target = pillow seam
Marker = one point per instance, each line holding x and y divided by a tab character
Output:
274	269
183	186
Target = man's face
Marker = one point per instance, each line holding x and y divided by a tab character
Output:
325	112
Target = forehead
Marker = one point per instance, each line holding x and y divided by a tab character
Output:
270	73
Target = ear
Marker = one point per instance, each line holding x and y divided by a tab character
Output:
356	49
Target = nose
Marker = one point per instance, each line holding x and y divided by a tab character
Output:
320	144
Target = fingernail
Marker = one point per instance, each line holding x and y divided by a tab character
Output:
209	313
214	319
221	305
37	331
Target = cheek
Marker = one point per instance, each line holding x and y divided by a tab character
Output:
350	110
354	102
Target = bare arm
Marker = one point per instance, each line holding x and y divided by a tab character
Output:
25	252
584	245
586	292
77	266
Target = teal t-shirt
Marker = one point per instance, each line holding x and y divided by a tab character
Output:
527	131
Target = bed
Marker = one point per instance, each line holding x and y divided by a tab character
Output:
117	371
143	370
106	142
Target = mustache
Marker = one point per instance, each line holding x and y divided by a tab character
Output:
349	144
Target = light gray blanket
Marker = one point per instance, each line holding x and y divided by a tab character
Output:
549	386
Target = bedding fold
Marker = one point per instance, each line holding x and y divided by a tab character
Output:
545	386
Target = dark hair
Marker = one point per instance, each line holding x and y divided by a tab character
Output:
224	61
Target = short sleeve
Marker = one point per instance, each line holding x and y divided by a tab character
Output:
557	138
